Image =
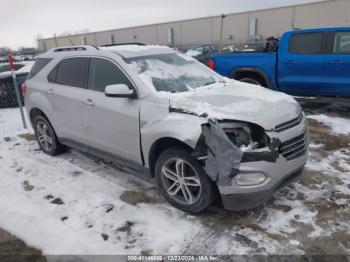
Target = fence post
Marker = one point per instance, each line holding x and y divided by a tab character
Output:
15	84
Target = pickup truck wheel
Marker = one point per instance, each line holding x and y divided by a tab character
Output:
183	182
46	136
252	81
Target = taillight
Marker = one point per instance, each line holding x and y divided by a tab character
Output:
24	88
211	64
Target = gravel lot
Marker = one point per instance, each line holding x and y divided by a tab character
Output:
76	204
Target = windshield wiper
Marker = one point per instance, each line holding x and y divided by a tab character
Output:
210	83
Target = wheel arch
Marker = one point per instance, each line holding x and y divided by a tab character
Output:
160	146
34	112
251	71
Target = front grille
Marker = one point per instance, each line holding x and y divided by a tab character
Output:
289	124
295	147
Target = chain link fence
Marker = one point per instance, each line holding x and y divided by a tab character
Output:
10	115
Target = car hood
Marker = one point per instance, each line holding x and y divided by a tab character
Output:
235	100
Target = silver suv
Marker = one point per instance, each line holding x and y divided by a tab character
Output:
201	136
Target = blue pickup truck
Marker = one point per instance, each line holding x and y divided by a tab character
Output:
306	62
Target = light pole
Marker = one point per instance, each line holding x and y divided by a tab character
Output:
221	31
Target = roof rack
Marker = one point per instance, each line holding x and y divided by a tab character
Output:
73	48
142	44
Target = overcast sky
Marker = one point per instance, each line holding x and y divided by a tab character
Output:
22	20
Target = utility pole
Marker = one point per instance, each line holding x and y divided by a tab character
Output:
221	32
55	39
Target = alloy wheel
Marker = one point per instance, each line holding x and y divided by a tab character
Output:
181	181
44	136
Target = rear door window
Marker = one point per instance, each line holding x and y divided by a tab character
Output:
38	65
70	72
341	43
103	72
306	43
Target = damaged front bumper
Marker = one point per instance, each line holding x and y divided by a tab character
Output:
293	154
279	174
248	179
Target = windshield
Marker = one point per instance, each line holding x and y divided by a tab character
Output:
172	72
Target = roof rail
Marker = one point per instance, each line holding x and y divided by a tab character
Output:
73	48
142	44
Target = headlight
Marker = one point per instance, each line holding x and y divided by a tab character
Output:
250	179
244	135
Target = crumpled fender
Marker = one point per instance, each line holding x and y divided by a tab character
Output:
162	124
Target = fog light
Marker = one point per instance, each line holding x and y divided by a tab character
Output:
250	179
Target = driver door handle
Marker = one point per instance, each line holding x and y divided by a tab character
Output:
89	102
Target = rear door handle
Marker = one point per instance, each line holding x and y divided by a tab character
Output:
290	62
50	91
89	102
336	62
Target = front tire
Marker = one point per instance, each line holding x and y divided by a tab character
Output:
183	182
46	136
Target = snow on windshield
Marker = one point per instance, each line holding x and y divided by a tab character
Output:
172	72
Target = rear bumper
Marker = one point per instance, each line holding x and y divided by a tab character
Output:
240	202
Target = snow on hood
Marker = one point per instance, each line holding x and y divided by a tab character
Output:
237	101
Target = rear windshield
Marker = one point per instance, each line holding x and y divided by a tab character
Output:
38	65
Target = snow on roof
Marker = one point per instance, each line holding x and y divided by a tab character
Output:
137	50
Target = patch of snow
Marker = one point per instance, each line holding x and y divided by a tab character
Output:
337	124
193	53
26	68
305	97
326	166
133	48
315	146
33	218
279	222
11	122
176	77
235	100
294	242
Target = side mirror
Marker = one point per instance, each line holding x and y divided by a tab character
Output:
119	90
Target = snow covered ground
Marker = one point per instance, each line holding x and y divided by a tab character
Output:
10	121
76	204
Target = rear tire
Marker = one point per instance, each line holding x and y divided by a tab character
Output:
253	81
183	182
46	136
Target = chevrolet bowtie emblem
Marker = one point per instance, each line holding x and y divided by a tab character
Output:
302	129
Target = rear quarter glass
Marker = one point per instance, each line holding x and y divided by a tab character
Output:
38	66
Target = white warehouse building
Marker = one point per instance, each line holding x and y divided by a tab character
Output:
225	29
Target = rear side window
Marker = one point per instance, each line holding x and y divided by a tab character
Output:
342	43
306	43
103	73
70	72
38	65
